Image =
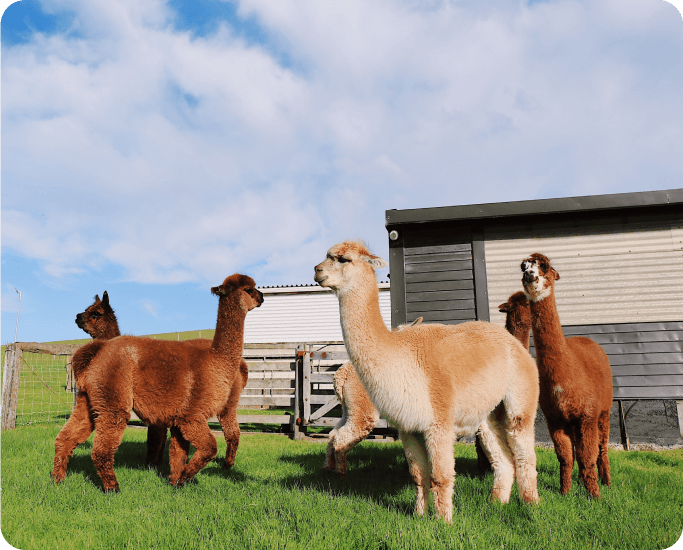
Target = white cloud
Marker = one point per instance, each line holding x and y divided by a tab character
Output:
180	159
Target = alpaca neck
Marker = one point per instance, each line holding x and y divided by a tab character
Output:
111	330
549	339
365	333
229	336
521	332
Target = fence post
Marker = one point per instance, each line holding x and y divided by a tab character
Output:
10	385
679	407
622	426
296	428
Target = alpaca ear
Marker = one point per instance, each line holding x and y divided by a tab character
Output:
97	298
105	298
374	261
223	290
557	275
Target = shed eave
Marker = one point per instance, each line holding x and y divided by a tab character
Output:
617	201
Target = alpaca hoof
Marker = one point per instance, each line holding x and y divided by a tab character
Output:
113	490
227	465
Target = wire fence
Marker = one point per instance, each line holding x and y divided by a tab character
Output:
44	394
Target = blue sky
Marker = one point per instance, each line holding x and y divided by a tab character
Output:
152	148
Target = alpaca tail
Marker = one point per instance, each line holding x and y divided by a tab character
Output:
82	358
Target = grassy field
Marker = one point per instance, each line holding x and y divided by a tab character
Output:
277	496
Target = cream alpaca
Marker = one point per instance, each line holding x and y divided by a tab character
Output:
437	382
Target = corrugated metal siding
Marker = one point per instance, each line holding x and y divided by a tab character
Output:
646	358
302	315
439	281
613	270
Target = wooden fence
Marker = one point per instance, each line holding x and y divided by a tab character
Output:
294	379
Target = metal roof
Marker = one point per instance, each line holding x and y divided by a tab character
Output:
617	201
304	288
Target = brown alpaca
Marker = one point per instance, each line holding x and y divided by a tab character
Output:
517	317
576	383
100	322
436	382
166	383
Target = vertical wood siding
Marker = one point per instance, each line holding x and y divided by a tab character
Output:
613	269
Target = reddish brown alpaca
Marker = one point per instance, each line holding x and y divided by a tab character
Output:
100	322
576	383
166	383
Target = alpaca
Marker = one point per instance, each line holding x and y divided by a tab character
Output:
359	416
517	317
99	321
436	382
576	383
166	383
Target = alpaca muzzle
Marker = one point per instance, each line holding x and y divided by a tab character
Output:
80	321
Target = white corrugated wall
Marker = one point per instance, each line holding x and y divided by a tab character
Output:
302	314
609	272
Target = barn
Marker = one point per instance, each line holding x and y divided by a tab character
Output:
620	258
303	313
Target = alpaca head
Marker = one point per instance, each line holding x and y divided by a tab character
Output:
538	277
517	312
346	265
98	319
243	288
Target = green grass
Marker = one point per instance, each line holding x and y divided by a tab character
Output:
277	496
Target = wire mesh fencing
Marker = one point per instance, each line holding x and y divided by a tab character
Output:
37	385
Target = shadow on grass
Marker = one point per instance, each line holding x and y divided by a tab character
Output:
133	455
378	473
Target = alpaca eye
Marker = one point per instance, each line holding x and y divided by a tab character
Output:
96	314
343	260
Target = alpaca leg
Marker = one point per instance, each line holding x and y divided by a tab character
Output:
330	461
439	445
483	464
109	429
418	464
587	456
603	445
495	445
198	434
156	442
76	430
231	432
564	449
348	436
178	450
520	439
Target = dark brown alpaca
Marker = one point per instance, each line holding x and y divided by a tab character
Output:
100	322
166	383
576	383
517	323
